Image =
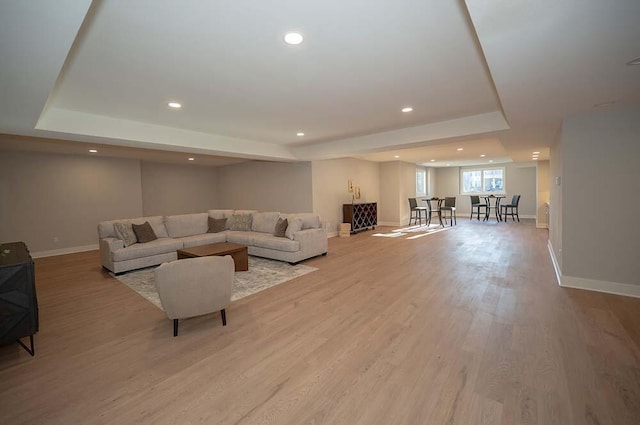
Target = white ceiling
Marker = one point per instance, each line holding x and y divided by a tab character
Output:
496	77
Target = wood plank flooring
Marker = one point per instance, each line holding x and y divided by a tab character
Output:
464	326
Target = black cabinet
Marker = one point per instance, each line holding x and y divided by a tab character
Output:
18	302
361	216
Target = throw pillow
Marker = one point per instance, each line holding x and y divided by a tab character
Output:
125	233
241	222
281	228
144	232
295	225
217	225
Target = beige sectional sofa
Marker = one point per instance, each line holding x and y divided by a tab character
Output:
187	230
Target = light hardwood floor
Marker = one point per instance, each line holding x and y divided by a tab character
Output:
465	326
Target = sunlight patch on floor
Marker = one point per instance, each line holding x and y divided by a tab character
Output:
413	232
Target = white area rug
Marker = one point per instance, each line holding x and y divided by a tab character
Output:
262	274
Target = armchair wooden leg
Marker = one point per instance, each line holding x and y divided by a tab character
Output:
175	327
224	317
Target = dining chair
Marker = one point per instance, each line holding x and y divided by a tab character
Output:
510	209
416	211
475	203
449	205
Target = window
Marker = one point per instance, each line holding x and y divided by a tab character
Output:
482	180
421	182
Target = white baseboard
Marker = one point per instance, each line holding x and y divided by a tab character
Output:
615	288
62	251
601	286
542	226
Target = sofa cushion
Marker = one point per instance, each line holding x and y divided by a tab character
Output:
217	225
241	222
144	232
263	240
222	214
309	220
265	222
295	225
281	228
179	226
124	232
159	246
106	230
242	238
207	238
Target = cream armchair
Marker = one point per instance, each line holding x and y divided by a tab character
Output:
195	286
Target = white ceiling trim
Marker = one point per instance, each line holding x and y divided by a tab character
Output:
406	137
139	134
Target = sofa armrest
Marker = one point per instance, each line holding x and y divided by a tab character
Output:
107	246
312	241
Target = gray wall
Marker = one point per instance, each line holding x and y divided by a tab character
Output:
330	179
47	196
397	185
601	174
520	179
178	189
555	200
266	186
542	187
388	206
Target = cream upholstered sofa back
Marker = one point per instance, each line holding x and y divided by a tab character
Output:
306	237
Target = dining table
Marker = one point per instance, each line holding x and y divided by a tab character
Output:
496	199
433	205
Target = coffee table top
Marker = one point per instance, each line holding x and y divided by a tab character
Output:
213	249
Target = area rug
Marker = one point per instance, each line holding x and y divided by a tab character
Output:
262	274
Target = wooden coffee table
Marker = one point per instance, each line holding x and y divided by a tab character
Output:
237	252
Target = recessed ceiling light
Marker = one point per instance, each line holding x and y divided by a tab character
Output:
407	109
192	159
482	156
460	149
300	134
635	61
433	160
293	38
93	151
535	158
536	153
397	156
174	105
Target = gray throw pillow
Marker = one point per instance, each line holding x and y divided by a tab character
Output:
217	225
125	233
144	232
295	225
281	228
241	222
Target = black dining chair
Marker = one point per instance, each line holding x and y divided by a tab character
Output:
510	209
475	203
449	205
416	211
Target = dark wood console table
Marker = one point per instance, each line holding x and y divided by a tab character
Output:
18	302
361	215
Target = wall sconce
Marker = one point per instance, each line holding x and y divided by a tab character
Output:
350	186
